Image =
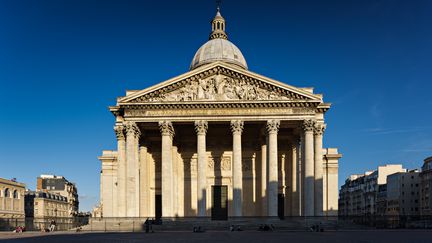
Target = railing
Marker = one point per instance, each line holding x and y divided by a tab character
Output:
117	224
42	224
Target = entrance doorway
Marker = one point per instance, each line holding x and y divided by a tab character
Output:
281	206
219	210
158	206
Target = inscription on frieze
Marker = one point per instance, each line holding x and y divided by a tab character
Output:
217	111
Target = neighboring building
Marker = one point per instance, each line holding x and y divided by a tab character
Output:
97	212
359	194
42	204
219	141
403	193
11	199
381	201
59	185
426	187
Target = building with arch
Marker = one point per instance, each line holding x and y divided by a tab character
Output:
11	199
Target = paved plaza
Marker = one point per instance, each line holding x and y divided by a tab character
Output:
394	236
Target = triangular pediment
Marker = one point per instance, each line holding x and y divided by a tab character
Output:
219	82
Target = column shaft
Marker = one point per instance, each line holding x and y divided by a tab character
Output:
237	129
294	182
309	169
272	187
120	211
201	129
167	168
132	135
144	187
318	132
264	178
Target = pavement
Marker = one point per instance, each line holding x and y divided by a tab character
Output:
369	236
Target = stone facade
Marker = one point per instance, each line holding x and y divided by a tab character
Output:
46	205
219	125
360	193
11	199
60	185
403	193
426	187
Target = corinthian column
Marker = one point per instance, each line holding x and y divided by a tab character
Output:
272	188
309	181
120	211
318	137
132	136
201	130
237	129
167	132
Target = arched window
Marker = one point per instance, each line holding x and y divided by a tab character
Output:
223	26
7	192
218	25
15	194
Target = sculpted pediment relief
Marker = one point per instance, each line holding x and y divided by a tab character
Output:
219	83
218	88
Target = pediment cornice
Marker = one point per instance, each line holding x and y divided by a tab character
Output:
219	83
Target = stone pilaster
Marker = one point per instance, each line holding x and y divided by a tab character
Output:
318	138
309	180
201	130
132	167
120	211
167	131
237	129
272	187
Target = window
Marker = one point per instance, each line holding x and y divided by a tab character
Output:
7	192
15	194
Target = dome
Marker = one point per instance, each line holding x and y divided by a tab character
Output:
218	50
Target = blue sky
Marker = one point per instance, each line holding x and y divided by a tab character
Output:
63	62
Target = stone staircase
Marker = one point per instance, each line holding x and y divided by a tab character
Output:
245	223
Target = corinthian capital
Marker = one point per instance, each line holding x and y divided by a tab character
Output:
319	129
166	128
272	126
132	129
201	127
237	126
120	132
308	125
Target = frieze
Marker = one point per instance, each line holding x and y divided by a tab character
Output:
215	112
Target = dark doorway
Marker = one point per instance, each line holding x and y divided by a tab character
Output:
158	205
219	209
281	205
